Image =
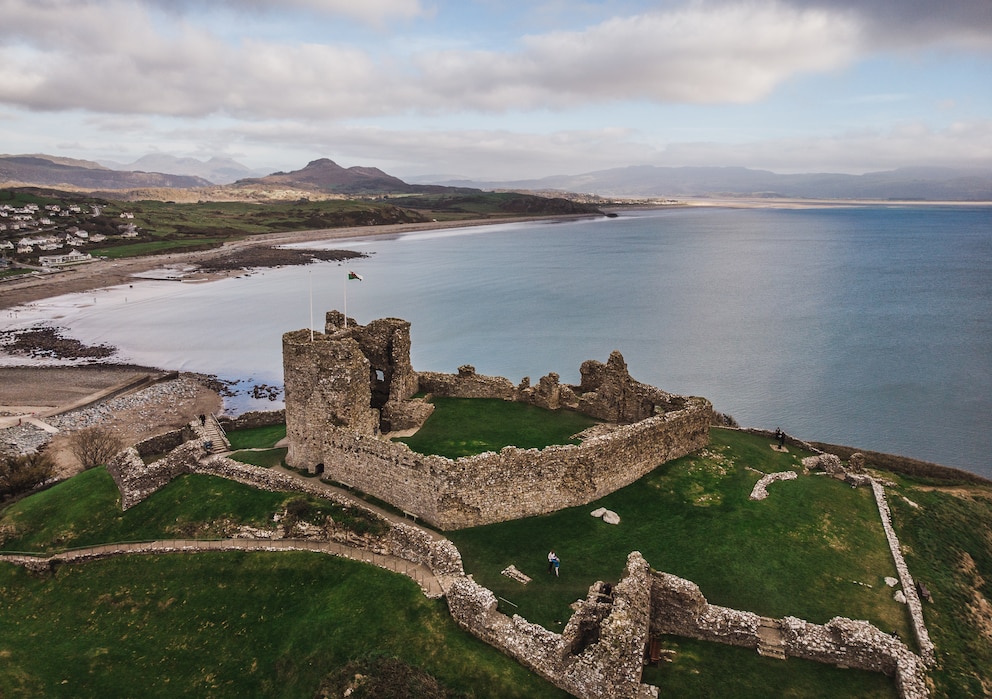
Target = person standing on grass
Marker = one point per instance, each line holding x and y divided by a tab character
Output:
556	563
552	557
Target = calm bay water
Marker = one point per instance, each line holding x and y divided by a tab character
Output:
868	326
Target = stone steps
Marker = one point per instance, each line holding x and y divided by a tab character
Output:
214	433
771	642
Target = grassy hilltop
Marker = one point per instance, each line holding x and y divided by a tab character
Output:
290	624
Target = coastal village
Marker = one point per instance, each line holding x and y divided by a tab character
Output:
46	237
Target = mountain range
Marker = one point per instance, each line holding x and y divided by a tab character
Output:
642	181
646	181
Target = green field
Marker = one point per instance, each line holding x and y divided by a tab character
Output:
278	624
230	625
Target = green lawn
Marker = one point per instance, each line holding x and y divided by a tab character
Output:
257	437
466	426
265	458
814	549
231	625
85	511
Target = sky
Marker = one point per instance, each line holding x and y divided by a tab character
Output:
494	90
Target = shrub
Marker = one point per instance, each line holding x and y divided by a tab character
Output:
19	474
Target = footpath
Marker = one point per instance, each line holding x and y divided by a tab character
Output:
419	573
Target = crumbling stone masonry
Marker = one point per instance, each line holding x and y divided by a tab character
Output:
601	649
599	654
348	384
679	608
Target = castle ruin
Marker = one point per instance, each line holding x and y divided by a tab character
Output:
348	385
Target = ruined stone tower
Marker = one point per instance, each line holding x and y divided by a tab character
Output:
350	376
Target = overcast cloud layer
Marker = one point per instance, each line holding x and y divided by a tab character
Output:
491	90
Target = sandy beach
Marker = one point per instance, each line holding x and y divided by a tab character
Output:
104	273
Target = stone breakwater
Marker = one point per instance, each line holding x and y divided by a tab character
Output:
26	438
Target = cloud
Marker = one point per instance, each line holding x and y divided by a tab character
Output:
912	24
699	54
373	12
116	57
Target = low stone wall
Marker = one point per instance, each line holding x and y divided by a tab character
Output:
905	579
466	384
760	490
515	483
137	480
163	443
255	418
679	608
856	644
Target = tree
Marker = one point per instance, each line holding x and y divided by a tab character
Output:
21	473
95	446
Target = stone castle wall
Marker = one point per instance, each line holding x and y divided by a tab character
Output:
598	655
514	483
679	608
341	383
602	647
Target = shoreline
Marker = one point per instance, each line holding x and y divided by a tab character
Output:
106	273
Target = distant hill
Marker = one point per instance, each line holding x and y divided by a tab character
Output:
216	170
933	184
49	171
324	175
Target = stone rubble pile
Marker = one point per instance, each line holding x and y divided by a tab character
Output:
760	490
26	438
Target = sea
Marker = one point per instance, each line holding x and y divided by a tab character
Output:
869	326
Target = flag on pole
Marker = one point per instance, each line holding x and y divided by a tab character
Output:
353	275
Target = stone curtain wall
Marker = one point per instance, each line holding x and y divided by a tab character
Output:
679	608
515	483
860	645
341	385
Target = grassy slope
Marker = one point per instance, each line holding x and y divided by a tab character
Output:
794	553
229	625
810	550
947	540
85	510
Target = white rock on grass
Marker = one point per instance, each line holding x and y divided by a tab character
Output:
611	517
598	512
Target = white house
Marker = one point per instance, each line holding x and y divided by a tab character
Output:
70	258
